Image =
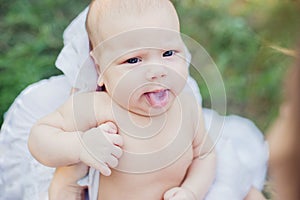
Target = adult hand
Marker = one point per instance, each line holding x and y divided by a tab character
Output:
64	183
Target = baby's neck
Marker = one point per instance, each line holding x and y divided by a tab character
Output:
133	123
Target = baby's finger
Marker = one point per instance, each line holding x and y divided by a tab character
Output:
112	161
180	196
117	152
177	197
112	126
109	127
170	193
99	165
115	139
104	169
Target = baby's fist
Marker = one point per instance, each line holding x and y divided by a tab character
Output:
101	147
179	193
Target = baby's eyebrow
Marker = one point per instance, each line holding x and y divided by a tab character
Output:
175	44
129	55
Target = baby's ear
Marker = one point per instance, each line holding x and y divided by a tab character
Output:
100	82
93	57
95	62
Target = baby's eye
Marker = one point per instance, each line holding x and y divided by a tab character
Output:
133	60
168	53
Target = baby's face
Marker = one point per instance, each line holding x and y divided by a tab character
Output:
142	62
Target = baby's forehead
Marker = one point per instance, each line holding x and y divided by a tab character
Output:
121	17
141	40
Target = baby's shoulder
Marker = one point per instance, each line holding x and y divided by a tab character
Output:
84	102
92	94
90	97
189	107
188	101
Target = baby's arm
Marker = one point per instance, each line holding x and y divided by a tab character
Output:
76	118
201	172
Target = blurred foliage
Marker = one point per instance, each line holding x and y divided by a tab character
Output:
238	34
30	40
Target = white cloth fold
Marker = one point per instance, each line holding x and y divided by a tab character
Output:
74	59
21	176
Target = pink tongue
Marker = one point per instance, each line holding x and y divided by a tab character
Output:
158	99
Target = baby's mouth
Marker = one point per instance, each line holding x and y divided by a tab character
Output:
158	98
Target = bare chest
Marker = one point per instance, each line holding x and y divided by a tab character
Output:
153	143
156	156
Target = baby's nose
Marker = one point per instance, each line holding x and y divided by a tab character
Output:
155	74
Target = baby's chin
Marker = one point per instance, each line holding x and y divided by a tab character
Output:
154	104
149	112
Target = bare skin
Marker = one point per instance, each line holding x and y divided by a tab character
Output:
143	86
164	176
186	175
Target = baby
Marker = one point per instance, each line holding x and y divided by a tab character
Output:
144	132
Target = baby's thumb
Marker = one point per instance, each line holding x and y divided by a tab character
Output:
104	170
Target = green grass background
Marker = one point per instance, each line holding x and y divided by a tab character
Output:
238	34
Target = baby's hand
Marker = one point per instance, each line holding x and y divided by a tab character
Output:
179	193
101	147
